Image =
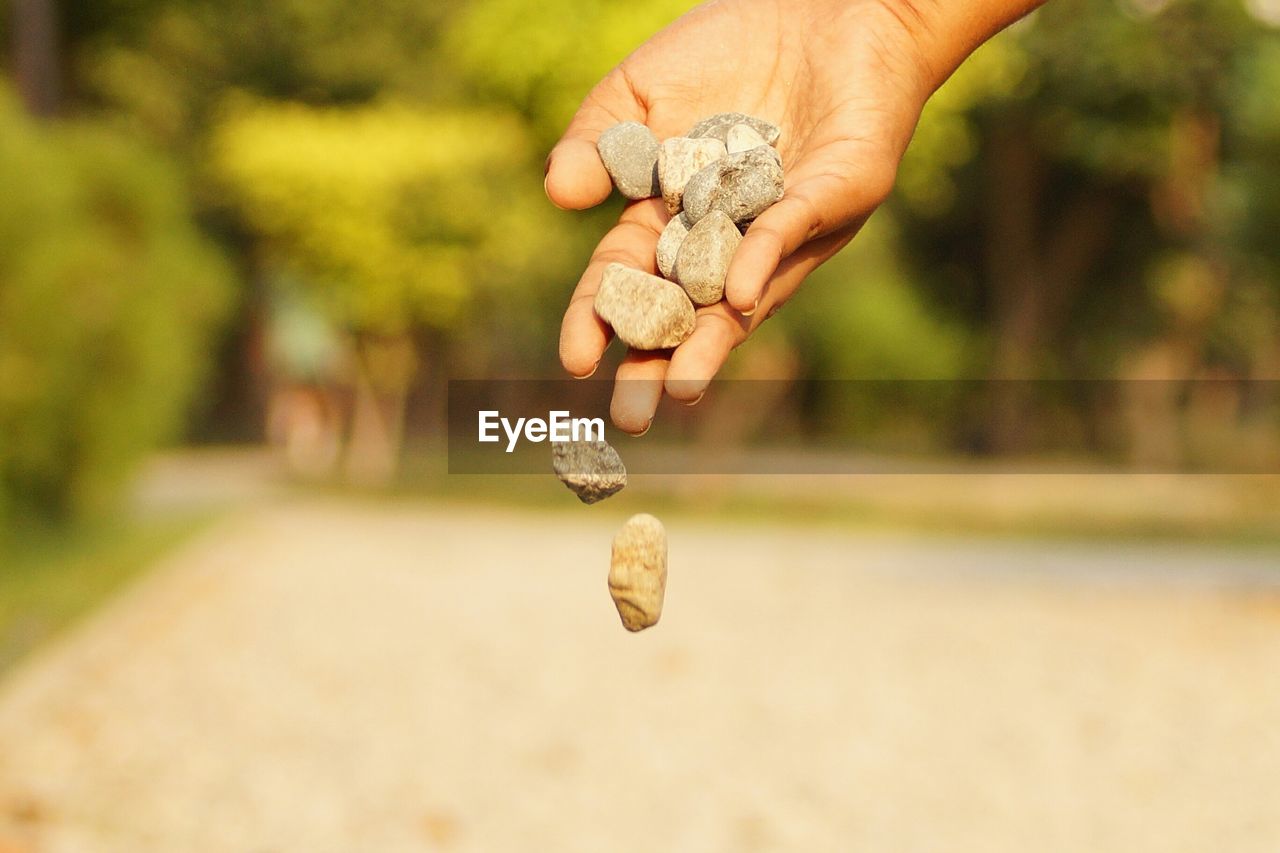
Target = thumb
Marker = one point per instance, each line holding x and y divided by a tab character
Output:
576	178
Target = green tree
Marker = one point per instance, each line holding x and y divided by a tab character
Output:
107	297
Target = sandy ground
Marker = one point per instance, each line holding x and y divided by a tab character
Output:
337	676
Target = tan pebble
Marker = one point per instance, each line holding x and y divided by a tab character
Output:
743	137
679	159
645	311
669	243
638	571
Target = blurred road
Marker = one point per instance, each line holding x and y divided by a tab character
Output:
344	676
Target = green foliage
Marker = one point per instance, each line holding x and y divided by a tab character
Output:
107	293
396	215
860	318
542	58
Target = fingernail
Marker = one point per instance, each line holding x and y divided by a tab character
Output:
594	368
697	399
753	309
643	431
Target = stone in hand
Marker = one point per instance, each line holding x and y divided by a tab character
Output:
629	152
743	137
638	571
703	260
679	159
743	185
669	243
592	470
718	126
645	311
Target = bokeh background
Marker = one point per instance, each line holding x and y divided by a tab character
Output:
243	246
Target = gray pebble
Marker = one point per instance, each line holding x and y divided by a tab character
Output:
593	470
743	137
638	572
669	243
742	185
646	312
718	126
630	154
703	261
679	159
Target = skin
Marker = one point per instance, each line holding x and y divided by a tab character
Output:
846	81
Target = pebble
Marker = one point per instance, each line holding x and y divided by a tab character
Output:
679	159
718	127
703	261
669	243
629	152
742	137
645	311
743	185
592	470
638	571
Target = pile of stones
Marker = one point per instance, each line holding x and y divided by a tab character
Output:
715	180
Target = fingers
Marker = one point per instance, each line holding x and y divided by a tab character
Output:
576	179
720	329
697	360
826	196
777	233
637	390
633	242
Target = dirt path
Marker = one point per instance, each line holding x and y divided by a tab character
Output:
350	677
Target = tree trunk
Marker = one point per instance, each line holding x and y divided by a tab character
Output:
35	55
384	371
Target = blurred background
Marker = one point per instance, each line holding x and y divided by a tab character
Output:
244	245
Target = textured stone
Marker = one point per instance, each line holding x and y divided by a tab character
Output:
646	312
718	127
743	185
592	470
703	260
743	137
630	154
638	572
679	159
669	243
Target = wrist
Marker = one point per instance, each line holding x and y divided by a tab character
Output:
943	33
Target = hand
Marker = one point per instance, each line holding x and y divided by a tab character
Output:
844	79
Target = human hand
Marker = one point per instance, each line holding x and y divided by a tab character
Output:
844	79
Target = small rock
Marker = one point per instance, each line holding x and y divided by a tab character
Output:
718	127
742	185
669	243
592	470
638	571
645	311
630	154
742	137
679	159
703	260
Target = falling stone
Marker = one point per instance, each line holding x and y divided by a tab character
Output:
703	261
743	137
638	572
645	311
679	159
718	127
743	185
629	152
593	470
669	243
